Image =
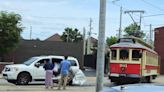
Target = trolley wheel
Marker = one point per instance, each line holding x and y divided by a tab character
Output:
149	79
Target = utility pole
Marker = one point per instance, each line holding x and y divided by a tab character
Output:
151	34
141	19
68	36
120	27
84	42
30	32
101	47
120	24
89	36
90	26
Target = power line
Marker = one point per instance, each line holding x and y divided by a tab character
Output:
154	6
144	23
30	32
136	11
153	15
114	3
155	25
150	4
121	11
123	8
56	17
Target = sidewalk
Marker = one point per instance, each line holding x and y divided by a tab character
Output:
159	79
41	88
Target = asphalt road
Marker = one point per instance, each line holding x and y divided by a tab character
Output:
89	86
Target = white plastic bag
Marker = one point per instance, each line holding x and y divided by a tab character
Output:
79	78
56	68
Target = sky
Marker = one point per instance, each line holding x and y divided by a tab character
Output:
47	17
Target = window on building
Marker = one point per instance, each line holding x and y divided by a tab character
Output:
124	54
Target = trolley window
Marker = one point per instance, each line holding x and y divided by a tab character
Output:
136	55
124	54
114	54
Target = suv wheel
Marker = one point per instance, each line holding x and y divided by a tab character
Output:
23	79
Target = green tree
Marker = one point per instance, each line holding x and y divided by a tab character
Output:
10	29
71	35
134	30
112	40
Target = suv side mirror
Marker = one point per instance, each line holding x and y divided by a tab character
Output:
37	65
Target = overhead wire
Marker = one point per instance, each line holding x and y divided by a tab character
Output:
155	25
113	2
146	3
123	9
153	15
152	5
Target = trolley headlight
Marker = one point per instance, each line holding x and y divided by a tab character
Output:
123	68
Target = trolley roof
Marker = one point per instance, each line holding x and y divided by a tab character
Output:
132	42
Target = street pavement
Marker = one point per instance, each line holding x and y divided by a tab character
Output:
0	76
89	86
41	88
89	73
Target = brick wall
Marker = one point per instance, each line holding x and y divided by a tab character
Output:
29	48
159	45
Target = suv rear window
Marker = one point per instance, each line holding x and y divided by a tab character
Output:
56	60
73	63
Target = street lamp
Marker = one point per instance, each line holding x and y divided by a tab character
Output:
120	24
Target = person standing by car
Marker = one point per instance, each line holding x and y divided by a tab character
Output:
48	66
56	71
64	70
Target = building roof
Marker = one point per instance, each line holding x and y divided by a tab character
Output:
93	40
160	28
55	37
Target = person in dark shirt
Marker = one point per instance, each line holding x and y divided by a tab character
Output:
48	66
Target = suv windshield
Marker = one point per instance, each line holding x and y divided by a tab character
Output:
30	61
